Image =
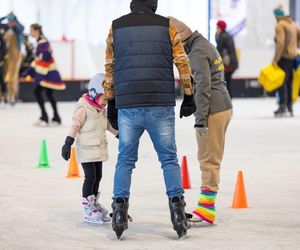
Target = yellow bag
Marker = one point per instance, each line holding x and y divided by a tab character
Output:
271	77
296	84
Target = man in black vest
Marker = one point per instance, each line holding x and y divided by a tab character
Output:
141	49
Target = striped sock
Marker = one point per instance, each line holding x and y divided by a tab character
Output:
206	206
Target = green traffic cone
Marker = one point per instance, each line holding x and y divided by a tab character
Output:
43	161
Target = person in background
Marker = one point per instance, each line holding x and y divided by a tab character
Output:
225	46
3	51
141	48
28	55
46	77
89	130
212	117
287	39
13	37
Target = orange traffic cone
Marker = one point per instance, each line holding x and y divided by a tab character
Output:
239	198
73	171
185	176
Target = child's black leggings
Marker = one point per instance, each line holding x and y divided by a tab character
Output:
92	178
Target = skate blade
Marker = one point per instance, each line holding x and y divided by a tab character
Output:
105	219
196	219
281	115
182	235
40	124
55	124
94	223
202	224
119	233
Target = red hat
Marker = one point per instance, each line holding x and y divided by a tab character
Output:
221	24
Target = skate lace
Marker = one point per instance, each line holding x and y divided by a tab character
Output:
128	216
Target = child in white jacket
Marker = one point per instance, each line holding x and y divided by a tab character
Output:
89	128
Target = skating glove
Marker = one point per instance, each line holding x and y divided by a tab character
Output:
112	114
188	106
201	129
66	148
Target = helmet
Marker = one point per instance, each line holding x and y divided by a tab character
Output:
95	86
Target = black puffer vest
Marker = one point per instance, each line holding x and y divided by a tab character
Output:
143	72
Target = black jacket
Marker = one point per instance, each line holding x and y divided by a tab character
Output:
226	48
3	49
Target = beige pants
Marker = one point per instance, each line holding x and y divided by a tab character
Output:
12	77
211	149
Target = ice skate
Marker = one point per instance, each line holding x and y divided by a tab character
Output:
120	216
102	209
91	214
280	112
178	216
205	210
196	221
41	123
290	110
56	121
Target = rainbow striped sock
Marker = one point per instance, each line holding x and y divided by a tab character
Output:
206	206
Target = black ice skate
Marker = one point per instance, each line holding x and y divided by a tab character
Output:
178	215
280	112
120	216
290	109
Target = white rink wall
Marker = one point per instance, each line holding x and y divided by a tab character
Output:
88	22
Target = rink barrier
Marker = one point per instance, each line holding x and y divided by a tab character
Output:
242	87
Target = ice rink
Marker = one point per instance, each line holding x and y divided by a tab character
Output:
40	209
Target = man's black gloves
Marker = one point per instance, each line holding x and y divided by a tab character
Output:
112	114
66	148
188	106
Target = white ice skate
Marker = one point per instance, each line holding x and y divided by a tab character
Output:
91	214
40	123
102	209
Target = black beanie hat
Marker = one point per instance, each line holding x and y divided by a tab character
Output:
152	4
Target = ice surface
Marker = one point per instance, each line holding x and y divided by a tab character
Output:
40	209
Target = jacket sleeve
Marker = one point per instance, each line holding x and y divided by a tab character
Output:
181	60
279	38
202	73
18	26
3	47
78	121
109	67
298	36
220	43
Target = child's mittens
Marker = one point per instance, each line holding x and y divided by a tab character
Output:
66	148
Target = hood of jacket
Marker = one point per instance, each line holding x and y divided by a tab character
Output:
285	19
189	42
149	6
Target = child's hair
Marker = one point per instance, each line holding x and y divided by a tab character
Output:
37	27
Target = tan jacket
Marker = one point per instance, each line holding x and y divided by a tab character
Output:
90	126
14	57
287	39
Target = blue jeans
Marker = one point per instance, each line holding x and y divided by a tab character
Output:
159	122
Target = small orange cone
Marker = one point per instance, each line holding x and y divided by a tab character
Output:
185	176
239	198
73	171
